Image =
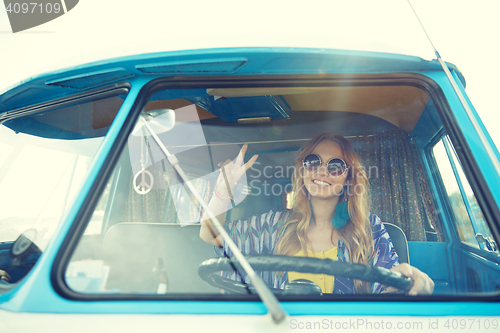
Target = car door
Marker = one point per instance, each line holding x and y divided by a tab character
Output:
473	249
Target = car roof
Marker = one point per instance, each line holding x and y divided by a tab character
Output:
208	62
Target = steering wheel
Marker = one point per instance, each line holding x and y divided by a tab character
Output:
210	270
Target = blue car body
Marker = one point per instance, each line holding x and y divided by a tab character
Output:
40	291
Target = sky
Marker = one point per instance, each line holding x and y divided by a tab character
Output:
464	32
468	38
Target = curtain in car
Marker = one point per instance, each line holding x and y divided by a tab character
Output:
398	187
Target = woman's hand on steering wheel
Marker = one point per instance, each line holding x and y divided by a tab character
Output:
231	171
422	283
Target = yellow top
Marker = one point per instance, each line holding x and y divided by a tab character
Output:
325	282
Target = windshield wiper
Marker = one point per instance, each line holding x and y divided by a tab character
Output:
274	308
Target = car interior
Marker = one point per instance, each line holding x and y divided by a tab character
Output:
143	238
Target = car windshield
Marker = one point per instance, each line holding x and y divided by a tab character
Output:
148	239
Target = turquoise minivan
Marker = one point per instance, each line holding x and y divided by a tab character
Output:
106	170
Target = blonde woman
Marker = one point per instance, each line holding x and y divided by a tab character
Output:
330	218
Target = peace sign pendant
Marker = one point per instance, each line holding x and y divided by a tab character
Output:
145	184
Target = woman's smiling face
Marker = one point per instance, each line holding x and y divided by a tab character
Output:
319	183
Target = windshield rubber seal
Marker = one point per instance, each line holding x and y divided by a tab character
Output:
425	83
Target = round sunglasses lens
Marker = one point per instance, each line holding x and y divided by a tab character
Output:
311	162
336	167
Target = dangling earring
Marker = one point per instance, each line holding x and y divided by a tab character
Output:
341	216
311	218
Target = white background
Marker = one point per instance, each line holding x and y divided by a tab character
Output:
465	33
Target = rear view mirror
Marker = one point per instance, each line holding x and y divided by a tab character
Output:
160	121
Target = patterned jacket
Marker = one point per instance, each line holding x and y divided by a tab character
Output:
258	235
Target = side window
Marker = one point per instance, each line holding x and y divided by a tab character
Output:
44	159
468	218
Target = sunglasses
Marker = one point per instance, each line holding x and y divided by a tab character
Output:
335	166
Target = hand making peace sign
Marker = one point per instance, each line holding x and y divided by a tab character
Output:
231	172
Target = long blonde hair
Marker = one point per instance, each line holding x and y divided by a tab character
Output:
356	234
